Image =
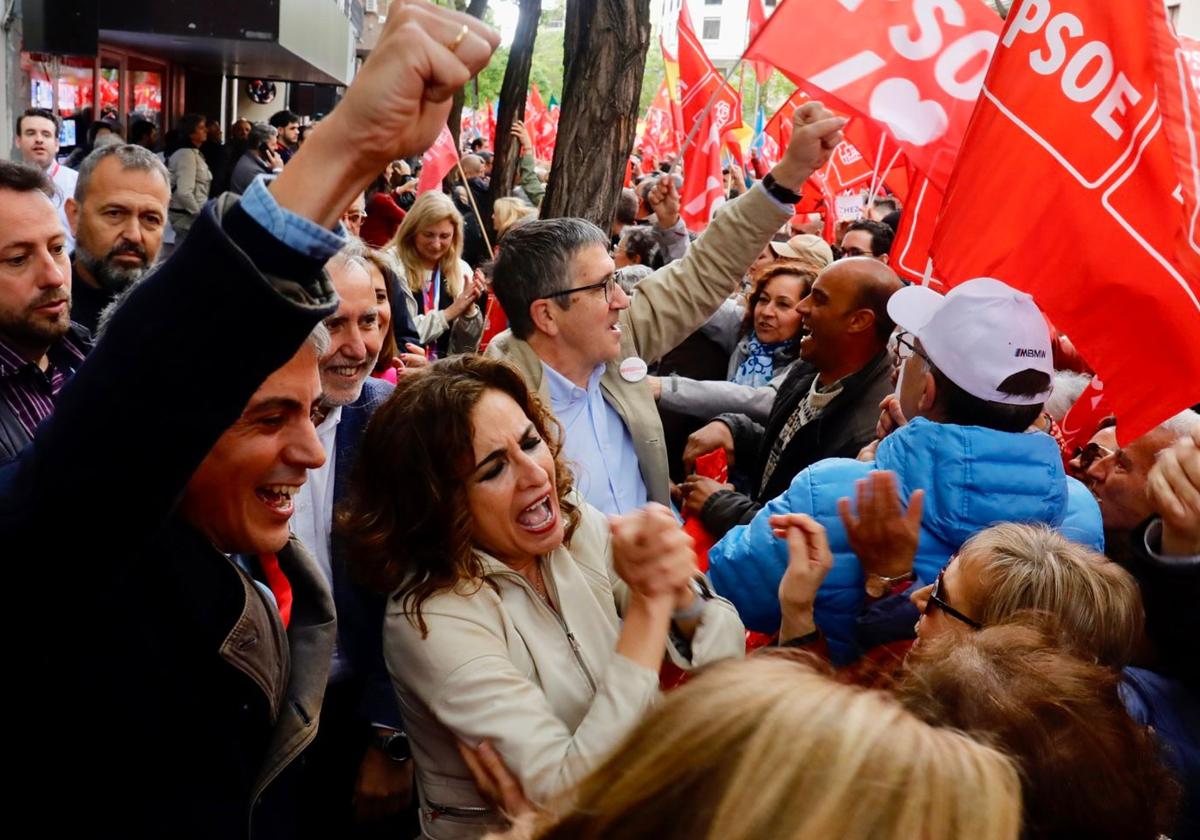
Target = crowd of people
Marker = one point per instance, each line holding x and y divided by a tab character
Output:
392	505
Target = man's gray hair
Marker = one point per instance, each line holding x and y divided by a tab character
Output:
261	132
130	156
353	252
1182	424
535	262
319	340
1067	387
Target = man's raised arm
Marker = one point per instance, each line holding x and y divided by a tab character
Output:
188	348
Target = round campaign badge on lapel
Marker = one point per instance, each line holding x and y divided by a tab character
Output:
633	369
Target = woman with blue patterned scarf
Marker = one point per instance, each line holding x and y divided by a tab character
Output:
762	336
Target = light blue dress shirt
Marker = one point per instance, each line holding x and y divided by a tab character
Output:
596	444
295	231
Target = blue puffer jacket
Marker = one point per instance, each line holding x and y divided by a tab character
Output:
972	477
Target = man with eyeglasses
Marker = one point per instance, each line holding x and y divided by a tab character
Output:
584	346
355	215
868	238
977	370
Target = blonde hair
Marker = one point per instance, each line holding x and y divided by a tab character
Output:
429	209
1096	603
510	211
770	749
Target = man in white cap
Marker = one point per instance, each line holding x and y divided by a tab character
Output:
977	367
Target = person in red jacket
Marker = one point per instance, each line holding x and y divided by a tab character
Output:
384	214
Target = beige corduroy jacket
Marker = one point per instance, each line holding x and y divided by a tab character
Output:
669	306
546	688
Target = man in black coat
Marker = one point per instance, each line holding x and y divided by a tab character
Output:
156	688
827	406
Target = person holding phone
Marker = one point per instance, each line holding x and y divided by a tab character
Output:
260	158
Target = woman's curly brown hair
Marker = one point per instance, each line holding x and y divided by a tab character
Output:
760	278
405	522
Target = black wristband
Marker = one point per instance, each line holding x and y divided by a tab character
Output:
803	641
782	194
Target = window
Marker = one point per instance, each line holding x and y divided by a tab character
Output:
711	30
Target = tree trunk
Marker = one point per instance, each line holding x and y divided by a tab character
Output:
475	9
512	99
604	57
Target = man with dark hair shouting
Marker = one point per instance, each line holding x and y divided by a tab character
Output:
176	639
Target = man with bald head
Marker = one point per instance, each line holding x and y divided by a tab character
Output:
477	214
827	407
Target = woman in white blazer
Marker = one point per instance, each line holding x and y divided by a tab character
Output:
518	615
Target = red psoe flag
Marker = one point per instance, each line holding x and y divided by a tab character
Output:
757	19
913	66
910	249
1077	183
700	83
437	162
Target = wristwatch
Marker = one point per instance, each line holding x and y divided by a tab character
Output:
780	193
394	745
878	585
696	608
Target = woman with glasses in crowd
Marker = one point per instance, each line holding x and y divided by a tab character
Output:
519	620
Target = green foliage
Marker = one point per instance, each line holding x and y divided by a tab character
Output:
546	68
655	72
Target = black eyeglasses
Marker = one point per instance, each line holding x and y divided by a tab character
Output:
608	283
936	600
904	340
1090	454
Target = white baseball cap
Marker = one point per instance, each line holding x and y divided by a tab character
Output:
979	334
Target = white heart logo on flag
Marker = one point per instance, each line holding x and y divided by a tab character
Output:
898	103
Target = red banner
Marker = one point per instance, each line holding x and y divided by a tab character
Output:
914	67
706	99
658	136
757	19
437	162
1077	182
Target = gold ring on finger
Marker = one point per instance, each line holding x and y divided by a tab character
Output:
458	39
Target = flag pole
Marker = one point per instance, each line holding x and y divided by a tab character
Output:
474	206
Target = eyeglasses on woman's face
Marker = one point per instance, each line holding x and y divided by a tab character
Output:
937	598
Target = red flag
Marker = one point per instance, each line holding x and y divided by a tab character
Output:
915	72
437	162
777	133
757	19
910	249
658	136
700	83
1092	207
1085	415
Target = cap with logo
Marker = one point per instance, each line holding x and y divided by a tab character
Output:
979	334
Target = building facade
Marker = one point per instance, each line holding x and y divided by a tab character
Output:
143	60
